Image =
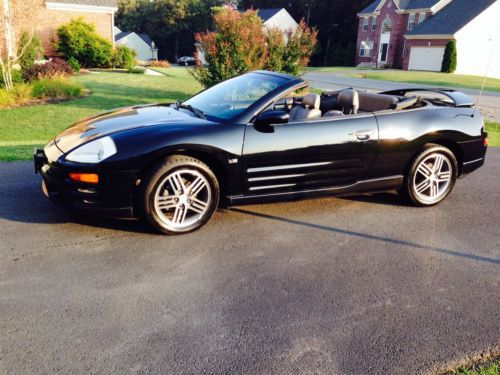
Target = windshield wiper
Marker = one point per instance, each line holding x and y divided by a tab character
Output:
189	107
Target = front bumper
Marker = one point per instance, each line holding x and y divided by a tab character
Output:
111	197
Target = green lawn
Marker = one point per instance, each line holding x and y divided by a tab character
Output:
493	130
490	369
23	128
430	78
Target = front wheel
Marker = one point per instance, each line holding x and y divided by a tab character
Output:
431	177
179	195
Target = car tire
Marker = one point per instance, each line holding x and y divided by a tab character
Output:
431	176
179	195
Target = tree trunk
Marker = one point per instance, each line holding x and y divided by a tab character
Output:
327	49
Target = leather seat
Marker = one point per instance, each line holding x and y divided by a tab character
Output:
308	110
348	102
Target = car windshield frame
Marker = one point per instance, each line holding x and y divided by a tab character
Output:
202	101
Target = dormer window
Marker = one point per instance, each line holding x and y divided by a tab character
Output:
411	21
422	17
365	23
374	23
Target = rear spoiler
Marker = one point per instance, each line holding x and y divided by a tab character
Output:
458	98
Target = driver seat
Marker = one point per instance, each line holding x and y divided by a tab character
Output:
308	110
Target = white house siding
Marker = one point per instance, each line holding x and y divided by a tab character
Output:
281	20
134	41
478	43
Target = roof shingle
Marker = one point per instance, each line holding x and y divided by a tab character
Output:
403	5
452	17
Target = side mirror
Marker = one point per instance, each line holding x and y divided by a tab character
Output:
264	121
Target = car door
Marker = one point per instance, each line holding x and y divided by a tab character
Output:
308	155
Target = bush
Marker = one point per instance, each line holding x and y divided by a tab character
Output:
33	50
241	44
138	70
54	67
159	64
56	87
75	65
80	41
17	77
450	58
19	95
123	57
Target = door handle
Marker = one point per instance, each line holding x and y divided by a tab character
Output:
363	135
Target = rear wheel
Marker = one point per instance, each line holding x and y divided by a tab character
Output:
431	177
179	195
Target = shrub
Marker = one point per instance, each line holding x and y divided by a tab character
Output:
80	41
159	64
240	44
75	65
56	87
450	58
123	57
19	95
17	77
32	47
138	70
54	67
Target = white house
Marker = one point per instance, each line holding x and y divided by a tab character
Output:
140	43
277	18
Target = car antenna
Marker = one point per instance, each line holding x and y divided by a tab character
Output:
485	78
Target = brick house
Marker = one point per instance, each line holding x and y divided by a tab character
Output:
412	34
44	17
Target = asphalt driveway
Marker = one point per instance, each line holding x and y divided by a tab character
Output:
489	103
335	286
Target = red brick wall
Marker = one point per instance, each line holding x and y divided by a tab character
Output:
395	58
28	15
421	43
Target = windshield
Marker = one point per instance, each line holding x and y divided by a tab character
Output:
230	98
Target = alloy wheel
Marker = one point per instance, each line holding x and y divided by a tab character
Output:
432	178
182	198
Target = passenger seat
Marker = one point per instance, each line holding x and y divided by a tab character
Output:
308	110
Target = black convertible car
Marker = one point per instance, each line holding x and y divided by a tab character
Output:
259	138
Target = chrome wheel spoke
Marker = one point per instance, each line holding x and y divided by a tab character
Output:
198	206
444	176
167	202
424	170
423	186
438	164
179	214
176	182
434	189
196	186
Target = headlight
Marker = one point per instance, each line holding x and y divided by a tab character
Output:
93	152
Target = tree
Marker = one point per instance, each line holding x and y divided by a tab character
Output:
20	12
240	44
450	58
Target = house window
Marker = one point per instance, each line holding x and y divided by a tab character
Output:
387	26
411	21
421	17
365	49
374	23
365	23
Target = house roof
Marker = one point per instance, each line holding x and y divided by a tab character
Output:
403	5
122	35
98	3
267	13
452	17
146	38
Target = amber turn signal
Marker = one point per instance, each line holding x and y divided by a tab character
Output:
486	142
90	178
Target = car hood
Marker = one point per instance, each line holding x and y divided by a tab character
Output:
120	120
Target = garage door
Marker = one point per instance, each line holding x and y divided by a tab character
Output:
426	58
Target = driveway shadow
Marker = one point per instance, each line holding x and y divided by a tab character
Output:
406	244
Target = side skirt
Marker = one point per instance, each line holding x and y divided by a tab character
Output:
363	186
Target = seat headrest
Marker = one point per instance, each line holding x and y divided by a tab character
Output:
348	100
312	101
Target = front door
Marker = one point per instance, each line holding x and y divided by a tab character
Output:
383	56
304	156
